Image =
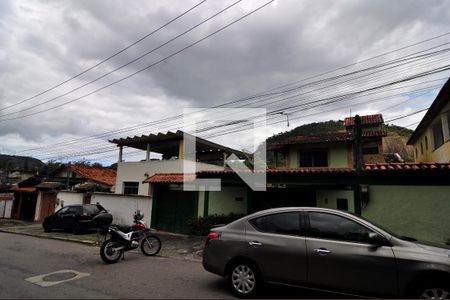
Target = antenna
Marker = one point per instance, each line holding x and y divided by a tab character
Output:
287	116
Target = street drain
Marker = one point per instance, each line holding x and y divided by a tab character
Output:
54	278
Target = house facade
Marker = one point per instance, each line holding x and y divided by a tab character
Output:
70	184
170	147
133	189
411	199
431	138
333	150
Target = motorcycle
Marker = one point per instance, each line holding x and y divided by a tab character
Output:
122	239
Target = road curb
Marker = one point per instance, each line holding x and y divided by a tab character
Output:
90	243
85	242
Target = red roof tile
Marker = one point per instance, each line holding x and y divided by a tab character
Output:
410	167
365	120
23	189
99	175
289	171
324	138
170	178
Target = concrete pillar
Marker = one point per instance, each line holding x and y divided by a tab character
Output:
445	126
147	154
181	150
120	153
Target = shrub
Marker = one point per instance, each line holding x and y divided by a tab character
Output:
448	242
202	225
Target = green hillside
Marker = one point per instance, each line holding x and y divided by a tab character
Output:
330	127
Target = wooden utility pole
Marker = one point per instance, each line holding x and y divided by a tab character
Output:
358	156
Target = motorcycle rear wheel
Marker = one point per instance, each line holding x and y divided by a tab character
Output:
151	245
107	252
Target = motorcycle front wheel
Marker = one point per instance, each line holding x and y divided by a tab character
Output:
151	245
108	252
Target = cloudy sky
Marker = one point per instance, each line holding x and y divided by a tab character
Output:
44	43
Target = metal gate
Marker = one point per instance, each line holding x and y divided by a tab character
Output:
173	208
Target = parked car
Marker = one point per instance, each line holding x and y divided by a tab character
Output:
74	217
328	250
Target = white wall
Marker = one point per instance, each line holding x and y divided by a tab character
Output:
68	198
6	208
134	171
224	202
122	207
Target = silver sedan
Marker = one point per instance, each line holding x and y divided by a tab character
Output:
325	249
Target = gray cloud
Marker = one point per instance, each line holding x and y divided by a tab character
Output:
44	43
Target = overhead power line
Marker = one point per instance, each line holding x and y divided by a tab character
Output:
301	104
124	65
106	59
147	67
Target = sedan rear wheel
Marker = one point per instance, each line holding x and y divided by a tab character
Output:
244	280
435	293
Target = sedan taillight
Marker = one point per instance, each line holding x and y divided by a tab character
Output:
211	236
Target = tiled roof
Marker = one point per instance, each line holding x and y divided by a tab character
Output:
390	167
380	167
23	189
288	171
169	178
365	120
99	175
324	138
50	185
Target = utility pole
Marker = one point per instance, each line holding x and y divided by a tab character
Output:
358	157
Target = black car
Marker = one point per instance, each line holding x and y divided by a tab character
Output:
73	217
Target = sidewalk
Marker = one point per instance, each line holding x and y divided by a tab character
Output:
173	245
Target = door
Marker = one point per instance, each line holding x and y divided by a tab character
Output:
48	205
277	245
69	216
173	209
341	258
57	218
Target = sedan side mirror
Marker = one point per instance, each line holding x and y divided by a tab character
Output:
378	239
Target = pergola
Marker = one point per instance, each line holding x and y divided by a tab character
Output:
171	144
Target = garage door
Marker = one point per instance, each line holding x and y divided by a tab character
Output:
173	208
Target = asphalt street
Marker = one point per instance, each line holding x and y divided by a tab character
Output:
138	276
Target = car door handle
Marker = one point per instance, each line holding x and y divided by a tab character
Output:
322	251
255	244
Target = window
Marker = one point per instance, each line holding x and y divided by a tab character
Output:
283	223
426	143
417	155
421	148
448	125
313	158
74	210
92	209
130	188
329	226
438	135
62	210
370	150
342	203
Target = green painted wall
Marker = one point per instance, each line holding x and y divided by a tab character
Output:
337	155
201	203
327	198
224	202
422	212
